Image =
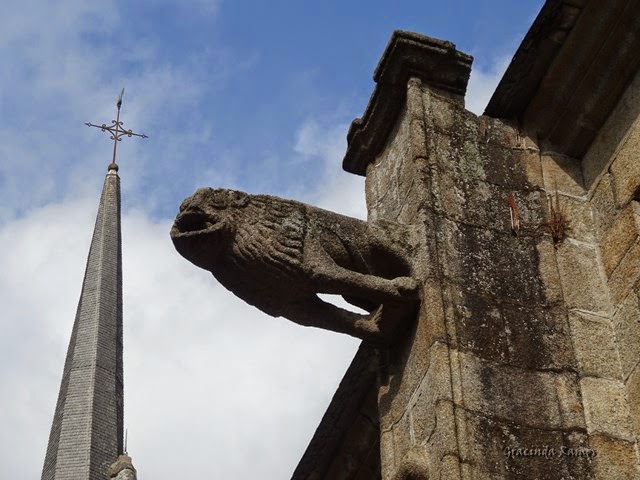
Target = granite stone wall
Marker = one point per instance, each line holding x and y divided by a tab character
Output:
522	362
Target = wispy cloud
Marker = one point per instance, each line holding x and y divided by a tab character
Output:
64	64
325	141
207	377
483	82
204	372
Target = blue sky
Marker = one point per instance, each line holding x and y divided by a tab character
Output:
244	94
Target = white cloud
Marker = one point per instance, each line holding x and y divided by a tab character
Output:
206	7
338	190
325	141
207	377
39	271
482	84
64	64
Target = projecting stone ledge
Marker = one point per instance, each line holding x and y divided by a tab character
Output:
435	62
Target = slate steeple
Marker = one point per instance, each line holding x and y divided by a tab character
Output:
87	431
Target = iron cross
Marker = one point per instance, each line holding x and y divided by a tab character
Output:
116	130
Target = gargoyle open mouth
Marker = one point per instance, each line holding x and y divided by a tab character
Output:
192	222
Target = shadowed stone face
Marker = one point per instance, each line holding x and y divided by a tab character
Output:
279	254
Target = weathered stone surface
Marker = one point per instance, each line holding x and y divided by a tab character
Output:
626	323
615	460
505	166
450	468
531	165
509	393
503	296
532	60
491	263
606	408
472	472
581	281
435	387
423	345
479	326
595	348
458	198
571	409
625	169
620	236
443	439
387	453
492	449
633	394
432	328
625	275
562	174
402	437
548	271
580	87
430	380
252	244
498	131
579	218
440	113
482	443
404	382
413	465
603	205
523	336
389	182
537	338
457	155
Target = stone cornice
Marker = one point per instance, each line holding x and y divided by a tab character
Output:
435	62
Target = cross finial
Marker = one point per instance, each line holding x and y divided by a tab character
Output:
117	132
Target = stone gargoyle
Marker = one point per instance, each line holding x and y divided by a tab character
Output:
277	255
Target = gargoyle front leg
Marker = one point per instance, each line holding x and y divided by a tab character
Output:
329	277
314	312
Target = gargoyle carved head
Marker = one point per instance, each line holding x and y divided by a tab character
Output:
206	218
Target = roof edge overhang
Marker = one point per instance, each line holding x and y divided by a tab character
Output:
570	71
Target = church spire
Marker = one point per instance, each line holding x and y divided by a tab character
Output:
87	430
